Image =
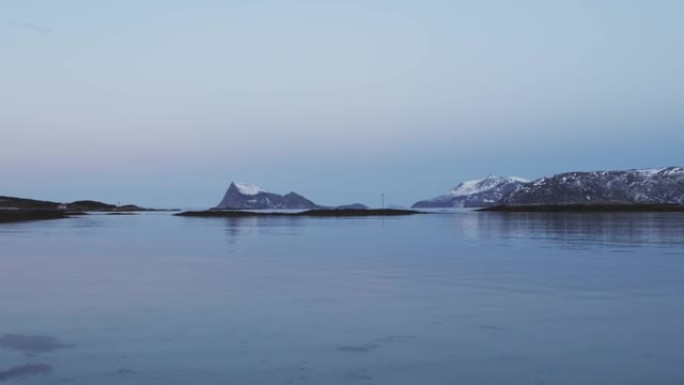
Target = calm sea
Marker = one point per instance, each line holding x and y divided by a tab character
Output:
461	298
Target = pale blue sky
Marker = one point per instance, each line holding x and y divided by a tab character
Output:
163	103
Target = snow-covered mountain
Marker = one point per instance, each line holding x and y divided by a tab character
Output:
243	196
644	186
475	193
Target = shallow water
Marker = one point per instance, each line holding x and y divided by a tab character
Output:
461	298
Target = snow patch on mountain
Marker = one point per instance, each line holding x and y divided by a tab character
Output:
244	196
474	193
481	185
638	186
248	189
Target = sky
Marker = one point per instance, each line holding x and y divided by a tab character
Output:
163	103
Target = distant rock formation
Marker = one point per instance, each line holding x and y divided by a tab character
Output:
12	203
633	187
353	206
243	196
333	213
474	193
88	205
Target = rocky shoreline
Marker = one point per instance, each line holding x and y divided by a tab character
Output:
31	215
21	209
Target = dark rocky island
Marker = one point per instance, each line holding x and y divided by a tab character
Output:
19	209
353	206
243	196
96	206
14	209
308	213
12	203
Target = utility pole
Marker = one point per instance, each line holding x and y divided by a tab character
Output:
383	200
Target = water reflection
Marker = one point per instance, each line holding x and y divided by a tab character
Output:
246	227
572	230
239	227
24	370
31	344
444	298
563	230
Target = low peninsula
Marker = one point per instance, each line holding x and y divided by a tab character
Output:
13	209
307	213
31	215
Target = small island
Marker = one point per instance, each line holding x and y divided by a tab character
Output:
14	209
307	213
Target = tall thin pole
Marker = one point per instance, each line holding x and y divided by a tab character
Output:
383	200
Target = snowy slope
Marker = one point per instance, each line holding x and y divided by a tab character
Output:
248	189
474	193
640	186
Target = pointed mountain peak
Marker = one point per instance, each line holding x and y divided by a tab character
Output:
245	196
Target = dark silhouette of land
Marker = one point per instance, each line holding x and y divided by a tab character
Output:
308	213
14	209
82	205
30	215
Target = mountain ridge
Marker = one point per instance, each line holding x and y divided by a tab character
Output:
635	186
474	193
244	196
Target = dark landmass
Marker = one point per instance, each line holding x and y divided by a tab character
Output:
31	344
241	196
24	370
14	209
582	208
308	213
571	191
353	206
106	207
475	193
27	204
649	188
356	212
89	205
31	215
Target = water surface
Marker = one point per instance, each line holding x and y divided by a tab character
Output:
462	298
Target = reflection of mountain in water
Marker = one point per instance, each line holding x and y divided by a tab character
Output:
582	230
240	228
565	230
